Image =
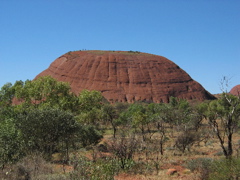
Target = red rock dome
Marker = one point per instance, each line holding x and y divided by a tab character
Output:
235	90
125	76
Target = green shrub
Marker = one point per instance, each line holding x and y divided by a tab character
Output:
210	169
89	135
10	143
85	169
200	165
141	167
225	169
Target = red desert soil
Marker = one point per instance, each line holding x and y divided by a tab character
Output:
126	76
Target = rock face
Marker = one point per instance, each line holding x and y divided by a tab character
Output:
126	76
235	90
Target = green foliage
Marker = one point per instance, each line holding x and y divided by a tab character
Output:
86	169
224	113
44	129
90	117
110	115
177	112
134	115
44	115
10	143
45	92
199	163
7	112
201	166
6	94
137	52
182	111
90	100
229	105
90	104
225	169
89	135
40	118
210	169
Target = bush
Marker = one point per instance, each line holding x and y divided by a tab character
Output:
225	169
185	141
89	135
44	129
124	149
143	168
85	169
31	167
10	143
200	165
215	169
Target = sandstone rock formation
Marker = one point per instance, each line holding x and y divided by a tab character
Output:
126	76
235	90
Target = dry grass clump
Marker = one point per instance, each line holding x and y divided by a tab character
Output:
32	167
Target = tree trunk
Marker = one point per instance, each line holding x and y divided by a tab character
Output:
230	148
114	131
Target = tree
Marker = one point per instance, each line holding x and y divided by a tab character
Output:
89	107
109	114
156	113
89	135
177	113
45	92
42	113
224	116
136	116
139	118
181	112
10	143
45	130
90	100
7	94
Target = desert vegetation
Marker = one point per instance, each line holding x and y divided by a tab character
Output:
48	132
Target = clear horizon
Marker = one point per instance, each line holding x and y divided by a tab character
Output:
201	36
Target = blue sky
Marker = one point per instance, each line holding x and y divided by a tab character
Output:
201	36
